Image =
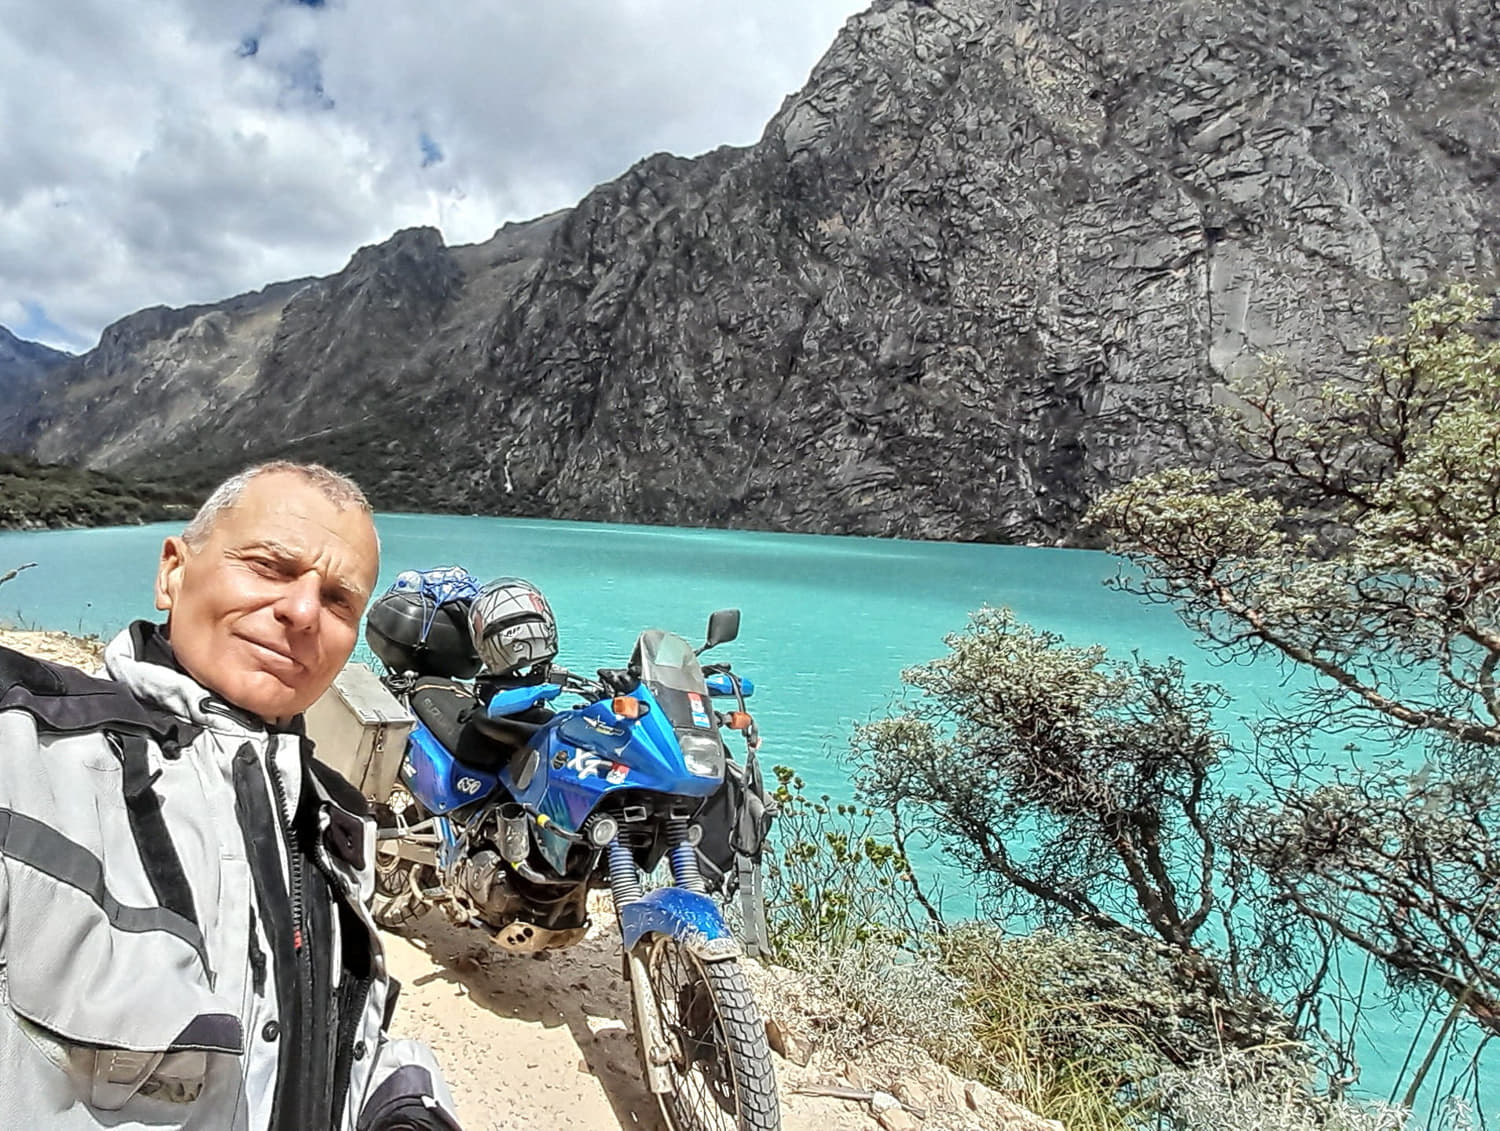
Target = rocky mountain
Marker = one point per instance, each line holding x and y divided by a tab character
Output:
994	257
23	364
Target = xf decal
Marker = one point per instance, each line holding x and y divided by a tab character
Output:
586	765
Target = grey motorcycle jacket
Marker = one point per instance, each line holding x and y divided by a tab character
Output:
184	940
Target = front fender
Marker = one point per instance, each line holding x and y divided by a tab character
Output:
685	915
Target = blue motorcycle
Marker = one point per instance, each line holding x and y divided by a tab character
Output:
509	810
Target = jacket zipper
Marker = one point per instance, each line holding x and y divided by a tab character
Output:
288	836
293	856
295	865
353	994
349	1021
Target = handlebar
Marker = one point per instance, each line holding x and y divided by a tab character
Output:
571	681
618	680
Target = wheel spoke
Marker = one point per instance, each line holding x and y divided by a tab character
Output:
702	1068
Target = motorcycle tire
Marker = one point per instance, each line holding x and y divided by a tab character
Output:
394	904
719	1061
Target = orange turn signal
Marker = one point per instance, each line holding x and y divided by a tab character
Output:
628	707
739	720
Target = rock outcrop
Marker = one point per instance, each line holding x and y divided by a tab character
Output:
23	365
995	257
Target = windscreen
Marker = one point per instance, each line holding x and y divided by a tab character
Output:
668	667
666	663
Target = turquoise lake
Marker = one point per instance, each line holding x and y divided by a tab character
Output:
828	623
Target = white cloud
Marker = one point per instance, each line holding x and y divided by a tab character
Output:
185	150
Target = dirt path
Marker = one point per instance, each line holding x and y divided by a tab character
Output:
525	1042
542	1043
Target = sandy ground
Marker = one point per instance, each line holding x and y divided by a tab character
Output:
524	1041
529	1042
81	652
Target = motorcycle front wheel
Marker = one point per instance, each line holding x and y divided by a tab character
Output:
719	1061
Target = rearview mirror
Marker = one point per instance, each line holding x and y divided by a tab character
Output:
723	627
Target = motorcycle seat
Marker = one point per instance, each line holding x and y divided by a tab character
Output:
443	706
512	730
450	710
500	739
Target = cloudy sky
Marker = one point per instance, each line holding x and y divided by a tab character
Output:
180	151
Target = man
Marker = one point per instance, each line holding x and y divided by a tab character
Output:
183	935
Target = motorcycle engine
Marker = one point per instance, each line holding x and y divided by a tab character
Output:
482	877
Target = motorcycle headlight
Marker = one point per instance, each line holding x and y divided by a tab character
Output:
703	753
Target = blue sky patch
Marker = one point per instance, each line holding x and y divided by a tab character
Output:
37	327
432	152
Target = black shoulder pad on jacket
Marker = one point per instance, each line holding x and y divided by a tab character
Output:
64	700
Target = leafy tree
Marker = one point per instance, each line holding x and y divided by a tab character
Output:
1353	530
1083	791
1362	546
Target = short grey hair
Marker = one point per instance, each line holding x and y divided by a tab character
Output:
338	489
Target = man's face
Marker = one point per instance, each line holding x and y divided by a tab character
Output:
265	612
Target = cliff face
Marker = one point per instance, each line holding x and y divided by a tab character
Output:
23	364
992	259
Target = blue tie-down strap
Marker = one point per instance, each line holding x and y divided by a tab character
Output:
440	585
443	584
685	915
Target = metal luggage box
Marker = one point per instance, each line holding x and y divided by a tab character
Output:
359	729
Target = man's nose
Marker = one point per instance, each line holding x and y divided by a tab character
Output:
300	602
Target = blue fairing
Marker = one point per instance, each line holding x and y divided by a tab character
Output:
681	914
591	751
437	779
514	700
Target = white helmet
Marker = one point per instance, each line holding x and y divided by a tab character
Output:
513	626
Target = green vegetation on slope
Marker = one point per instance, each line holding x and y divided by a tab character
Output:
37	495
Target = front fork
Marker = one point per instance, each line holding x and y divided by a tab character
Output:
625	886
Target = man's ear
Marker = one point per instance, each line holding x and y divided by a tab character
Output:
174	555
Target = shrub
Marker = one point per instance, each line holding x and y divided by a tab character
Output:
834	881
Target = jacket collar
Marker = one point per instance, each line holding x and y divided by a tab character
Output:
141	658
